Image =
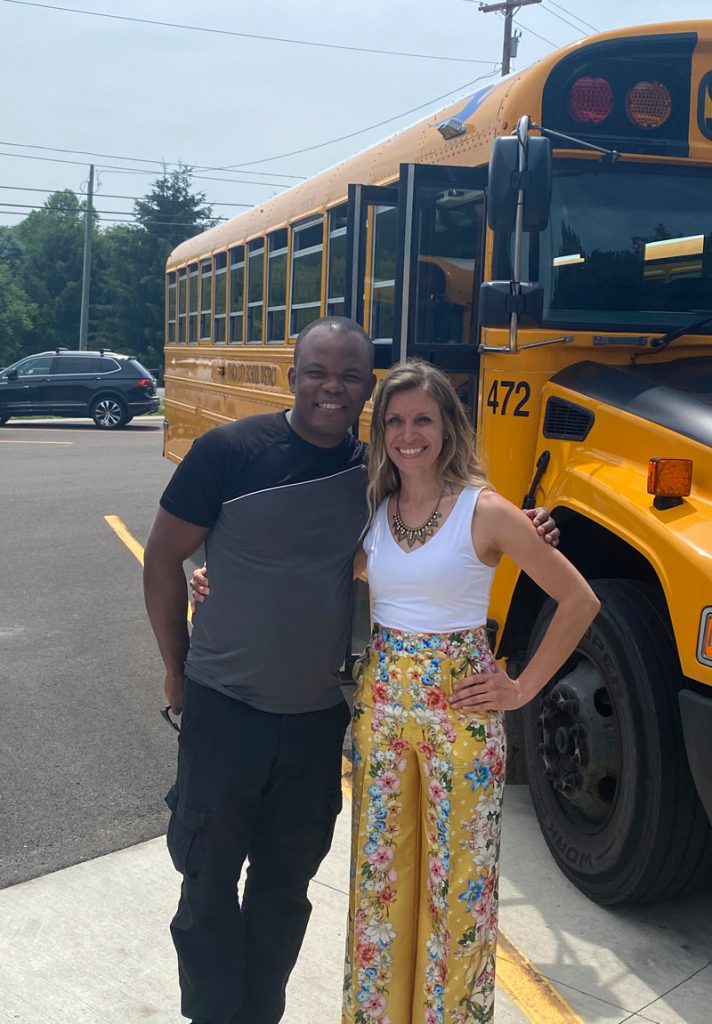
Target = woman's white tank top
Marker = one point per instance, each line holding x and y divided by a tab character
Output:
438	587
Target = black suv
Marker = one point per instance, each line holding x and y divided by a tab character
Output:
110	388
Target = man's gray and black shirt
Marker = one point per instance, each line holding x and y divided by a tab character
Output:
285	519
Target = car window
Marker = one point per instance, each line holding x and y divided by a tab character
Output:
75	364
140	367
108	365
34	367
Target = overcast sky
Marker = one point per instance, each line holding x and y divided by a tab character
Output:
130	90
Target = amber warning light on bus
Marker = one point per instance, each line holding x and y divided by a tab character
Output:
704	652
647	104
670	480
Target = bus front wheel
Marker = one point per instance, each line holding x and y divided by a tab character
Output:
605	755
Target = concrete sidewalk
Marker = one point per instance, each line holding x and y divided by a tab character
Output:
89	944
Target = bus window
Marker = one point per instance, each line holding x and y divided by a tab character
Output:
255	289
206	298
336	282
237	294
220	298
449	234
307	251
171	299
383	222
277	287
182	305
193	302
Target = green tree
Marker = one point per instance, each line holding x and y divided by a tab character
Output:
52	241
16	316
129	311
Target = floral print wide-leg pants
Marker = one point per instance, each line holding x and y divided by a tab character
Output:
427	796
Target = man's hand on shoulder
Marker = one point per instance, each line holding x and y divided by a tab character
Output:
545	525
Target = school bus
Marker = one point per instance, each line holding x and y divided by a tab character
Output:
569	295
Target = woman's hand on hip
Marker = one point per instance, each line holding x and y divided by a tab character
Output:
487	691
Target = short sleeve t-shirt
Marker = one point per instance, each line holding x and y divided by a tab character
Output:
285	518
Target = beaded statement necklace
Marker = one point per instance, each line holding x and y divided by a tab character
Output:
419	534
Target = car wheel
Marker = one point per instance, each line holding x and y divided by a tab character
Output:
3	420
606	760
109	412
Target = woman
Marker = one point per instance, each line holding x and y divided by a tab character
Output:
429	746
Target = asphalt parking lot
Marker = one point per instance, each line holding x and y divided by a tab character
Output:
84	754
85	759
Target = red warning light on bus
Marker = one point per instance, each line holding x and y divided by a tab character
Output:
590	100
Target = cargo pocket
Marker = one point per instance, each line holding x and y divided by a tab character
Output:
185	831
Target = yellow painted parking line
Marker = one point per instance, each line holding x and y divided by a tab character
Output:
528	989
124	534
533	994
119	527
13	441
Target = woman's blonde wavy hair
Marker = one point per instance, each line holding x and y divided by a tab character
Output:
458	463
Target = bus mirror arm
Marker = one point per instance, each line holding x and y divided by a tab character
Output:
610	155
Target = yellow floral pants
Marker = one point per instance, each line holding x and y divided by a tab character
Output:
427	795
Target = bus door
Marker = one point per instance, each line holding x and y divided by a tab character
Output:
372	228
441	242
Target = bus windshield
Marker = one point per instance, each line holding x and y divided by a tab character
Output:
627	247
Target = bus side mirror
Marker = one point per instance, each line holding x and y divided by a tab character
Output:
497	303
506	180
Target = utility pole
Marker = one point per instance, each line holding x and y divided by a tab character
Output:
86	271
509	7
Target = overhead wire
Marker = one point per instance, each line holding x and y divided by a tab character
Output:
554	14
576	16
140	170
531	32
122	219
104	195
135	159
362	131
245	35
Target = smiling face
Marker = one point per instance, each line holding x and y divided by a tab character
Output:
331	382
414	433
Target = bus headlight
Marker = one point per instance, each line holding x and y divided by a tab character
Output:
704	646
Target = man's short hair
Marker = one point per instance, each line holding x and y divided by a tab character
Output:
343	325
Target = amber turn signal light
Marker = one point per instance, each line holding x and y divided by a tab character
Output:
670	478
704	650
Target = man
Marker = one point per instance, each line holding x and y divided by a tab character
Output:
279	500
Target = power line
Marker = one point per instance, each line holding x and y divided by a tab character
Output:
104	195
34	206
111	219
362	131
136	159
138	170
567	11
531	32
245	35
577	28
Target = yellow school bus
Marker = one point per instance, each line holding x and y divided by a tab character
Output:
569	295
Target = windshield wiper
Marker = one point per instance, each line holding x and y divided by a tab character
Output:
658	344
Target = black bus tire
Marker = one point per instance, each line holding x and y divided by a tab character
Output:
606	762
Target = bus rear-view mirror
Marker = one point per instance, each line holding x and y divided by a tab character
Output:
497	303
506	179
